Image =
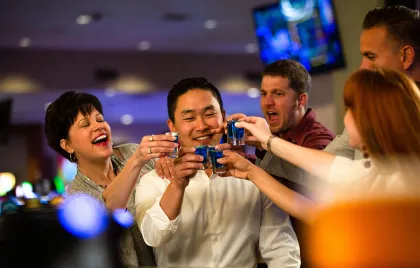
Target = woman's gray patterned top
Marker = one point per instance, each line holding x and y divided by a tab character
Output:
133	249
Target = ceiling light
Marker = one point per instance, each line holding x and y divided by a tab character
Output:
253	92
251	48
210	24
25	42
126	119
143	45
84	19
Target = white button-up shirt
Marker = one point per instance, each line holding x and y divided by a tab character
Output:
224	221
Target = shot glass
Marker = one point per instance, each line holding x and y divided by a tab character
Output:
236	136
215	154
203	151
174	154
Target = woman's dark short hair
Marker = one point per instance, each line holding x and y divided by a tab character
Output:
62	113
186	85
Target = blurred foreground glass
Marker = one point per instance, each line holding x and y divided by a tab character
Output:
79	233
203	151
367	233
235	134
215	154
174	154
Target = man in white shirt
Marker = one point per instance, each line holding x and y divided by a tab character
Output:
199	219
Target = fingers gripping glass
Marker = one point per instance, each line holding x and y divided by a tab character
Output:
203	151
213	155
174	154
236	136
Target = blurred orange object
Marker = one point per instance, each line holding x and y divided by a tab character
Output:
56	201
369	233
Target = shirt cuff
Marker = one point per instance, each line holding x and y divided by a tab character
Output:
160	219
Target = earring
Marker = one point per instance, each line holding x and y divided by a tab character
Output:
72	158
366	156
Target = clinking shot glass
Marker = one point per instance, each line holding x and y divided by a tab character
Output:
203	150
215	154
236	135
174	154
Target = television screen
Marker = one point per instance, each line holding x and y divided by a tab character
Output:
302	30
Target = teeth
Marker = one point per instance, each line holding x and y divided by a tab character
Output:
203	138
99	138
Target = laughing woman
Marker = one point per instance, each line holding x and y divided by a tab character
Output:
75	128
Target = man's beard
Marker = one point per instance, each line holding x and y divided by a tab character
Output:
284	129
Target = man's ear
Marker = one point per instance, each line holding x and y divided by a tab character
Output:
171	125
65	145
224	115
303	100
408	56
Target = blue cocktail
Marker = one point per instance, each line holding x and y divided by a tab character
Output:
203	151
215	154
236	136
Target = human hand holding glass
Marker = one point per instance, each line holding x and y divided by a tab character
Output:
203	150
223	128
155	146
186	166
249	139
236	135
165	166
237	165
214	154
258	127
174	153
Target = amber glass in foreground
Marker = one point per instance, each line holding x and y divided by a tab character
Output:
374	233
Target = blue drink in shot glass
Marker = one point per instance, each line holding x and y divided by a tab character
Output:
203	151
174	154
215	154
236	136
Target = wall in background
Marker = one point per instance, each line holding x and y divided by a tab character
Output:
13	157
350	17
31	71
28	71
23	155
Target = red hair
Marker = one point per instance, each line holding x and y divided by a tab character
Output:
386	108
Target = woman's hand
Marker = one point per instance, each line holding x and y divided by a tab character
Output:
155	146
258	127
238	166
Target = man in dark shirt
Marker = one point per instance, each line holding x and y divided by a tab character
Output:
284	99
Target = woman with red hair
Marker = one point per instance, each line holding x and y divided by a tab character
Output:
383	121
